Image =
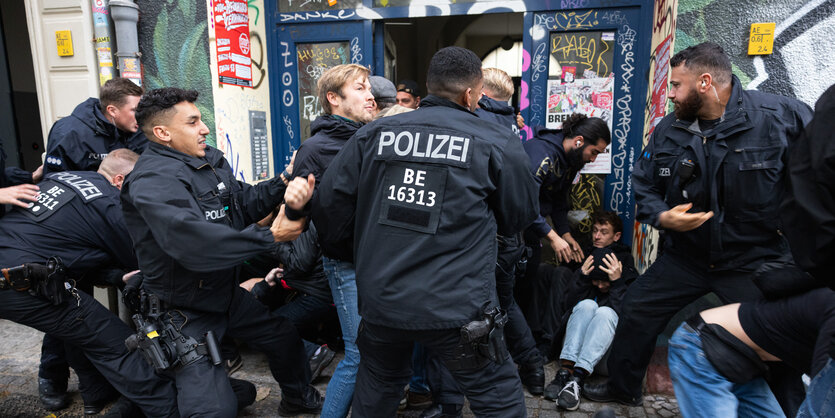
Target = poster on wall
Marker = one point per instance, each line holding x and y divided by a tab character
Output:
234	65
580	80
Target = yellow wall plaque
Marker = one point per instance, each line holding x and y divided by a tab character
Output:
762	39
63	40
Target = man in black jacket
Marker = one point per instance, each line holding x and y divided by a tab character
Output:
96	126
416	200
192	223
723	156
595	296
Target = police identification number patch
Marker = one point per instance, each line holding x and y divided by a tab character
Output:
413	195
51	197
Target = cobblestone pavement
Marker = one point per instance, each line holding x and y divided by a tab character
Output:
20	352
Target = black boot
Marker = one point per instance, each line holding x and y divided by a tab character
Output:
53	394
603	393
443	411
533	376
310	403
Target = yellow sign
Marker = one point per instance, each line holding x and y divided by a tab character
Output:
762	39
63	40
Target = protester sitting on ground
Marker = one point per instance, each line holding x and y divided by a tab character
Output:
595	295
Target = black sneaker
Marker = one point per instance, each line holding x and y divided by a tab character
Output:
53	395
569	398
311	403
552	392
233	365
602	393
320	359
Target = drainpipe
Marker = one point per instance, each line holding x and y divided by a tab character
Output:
104	46
125	14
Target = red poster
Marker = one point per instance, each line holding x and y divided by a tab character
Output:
232	40
658	102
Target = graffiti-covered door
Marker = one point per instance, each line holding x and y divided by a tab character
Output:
303	53
586	61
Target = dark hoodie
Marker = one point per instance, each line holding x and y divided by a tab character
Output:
582	288
329	135
551	168
499	112
81	140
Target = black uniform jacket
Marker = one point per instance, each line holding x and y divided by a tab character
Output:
739	173
499	112
550	168
193	223
78	217
81	140
422	194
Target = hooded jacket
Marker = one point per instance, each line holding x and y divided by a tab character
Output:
549	165
738	172
81	140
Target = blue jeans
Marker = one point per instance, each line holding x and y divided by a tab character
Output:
343	282
589	334
820	397
419	383
702	391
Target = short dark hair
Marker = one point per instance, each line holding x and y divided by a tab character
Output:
115	91
452	71
706	57
159	103
603	217
591	129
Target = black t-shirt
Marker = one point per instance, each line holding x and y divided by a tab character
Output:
800	330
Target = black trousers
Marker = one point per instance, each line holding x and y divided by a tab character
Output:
89	326
203	389
57	356
493	390
518	335
669	285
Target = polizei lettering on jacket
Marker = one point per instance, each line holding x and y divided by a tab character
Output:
84	187
439	147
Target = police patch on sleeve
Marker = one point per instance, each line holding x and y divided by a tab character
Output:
413	195
51	197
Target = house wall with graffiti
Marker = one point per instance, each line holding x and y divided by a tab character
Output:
174	42
801	65
238	110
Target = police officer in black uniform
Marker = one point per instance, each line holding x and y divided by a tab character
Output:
416	200
712	176
193	224
95	127
76	217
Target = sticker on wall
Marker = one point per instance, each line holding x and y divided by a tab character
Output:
761	41
234	65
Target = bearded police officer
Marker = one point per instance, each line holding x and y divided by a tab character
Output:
416	200
193	223
76	217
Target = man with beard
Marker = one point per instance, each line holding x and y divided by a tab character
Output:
556	156
712	177
345	94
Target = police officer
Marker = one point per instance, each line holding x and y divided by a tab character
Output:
423	195
711	176
192	224
96	126
77	218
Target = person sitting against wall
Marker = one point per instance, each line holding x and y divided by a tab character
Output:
595	292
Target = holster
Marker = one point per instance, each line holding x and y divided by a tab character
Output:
482	341
729	355
42	280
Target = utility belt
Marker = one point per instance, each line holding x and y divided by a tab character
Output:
729	355
162	343
44	280
482	341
